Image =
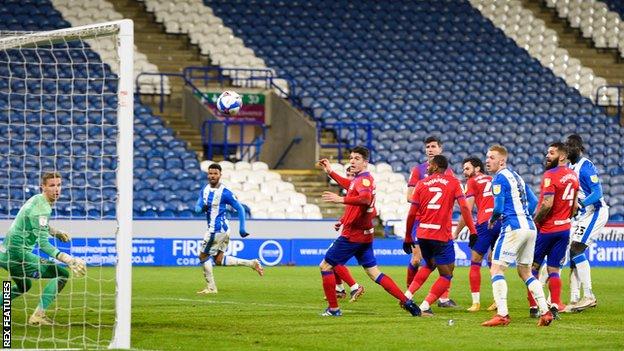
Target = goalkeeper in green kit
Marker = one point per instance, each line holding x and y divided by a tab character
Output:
31	227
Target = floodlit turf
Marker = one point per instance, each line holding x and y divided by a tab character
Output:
280	311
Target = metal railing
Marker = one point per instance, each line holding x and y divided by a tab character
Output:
619	97
354	129
215	144
162	93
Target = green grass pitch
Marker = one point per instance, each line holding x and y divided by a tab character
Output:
280	311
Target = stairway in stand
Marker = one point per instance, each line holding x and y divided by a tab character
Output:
171	53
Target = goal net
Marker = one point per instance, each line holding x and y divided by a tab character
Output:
63	109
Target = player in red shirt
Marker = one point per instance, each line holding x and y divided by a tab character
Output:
479	193
356	239
556	207
433	147
432	202
342	273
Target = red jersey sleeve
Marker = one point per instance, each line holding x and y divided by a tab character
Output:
470	187
414	177
342	181
548	184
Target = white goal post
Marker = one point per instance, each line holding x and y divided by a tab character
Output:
123	33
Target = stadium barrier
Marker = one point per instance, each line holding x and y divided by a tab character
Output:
176	243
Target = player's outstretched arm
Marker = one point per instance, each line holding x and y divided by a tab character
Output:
60	234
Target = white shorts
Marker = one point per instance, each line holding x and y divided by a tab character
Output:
588	225
514	246
215	242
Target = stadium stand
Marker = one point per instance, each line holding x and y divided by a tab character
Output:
452	73
541	42
97	11
597	20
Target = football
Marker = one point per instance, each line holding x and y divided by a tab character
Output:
229	102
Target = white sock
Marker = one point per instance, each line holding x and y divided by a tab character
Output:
355	287
424	306
535	287
575	286
584	274
476	297
408	294
207	266
443	300
499	290
339	287
234	261
543	274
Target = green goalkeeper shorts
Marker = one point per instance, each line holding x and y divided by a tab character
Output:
29	265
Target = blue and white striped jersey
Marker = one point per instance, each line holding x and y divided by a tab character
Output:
590	193
513	200
214	201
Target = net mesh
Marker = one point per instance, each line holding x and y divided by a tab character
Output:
58	112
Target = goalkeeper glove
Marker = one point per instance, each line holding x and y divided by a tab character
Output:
60	234
472	240
77	265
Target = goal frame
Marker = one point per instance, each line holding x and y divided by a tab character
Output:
124	29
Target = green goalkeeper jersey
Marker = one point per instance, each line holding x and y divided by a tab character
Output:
30	227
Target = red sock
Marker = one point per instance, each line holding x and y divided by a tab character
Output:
329	286
337	277
390	287
554	285
411	272
445	295
420	278
475	277
344	274
438	288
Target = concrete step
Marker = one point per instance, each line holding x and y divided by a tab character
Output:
604	63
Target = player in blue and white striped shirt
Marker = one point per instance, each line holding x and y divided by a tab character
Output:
514	202
592	217
212	200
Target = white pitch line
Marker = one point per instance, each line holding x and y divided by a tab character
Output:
225	302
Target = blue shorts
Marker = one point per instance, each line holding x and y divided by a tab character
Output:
553	245
414	238
341	251
437	252
486	238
